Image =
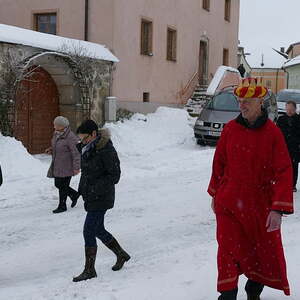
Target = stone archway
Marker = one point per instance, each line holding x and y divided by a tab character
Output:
37	104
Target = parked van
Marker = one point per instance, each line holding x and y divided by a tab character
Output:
222	108
286	95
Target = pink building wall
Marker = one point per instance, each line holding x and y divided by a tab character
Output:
117	24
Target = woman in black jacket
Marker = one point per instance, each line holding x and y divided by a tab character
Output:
100	171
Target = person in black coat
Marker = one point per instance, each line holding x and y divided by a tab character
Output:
290	127
100	171
1	179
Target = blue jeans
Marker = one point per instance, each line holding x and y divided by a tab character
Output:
94	227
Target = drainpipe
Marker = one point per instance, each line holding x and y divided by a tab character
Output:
277	74
86	20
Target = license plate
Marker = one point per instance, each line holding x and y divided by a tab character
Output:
214	133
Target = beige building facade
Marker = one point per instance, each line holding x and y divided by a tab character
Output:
165	47
274	79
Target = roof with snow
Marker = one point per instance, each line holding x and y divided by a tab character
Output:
21	36
292	62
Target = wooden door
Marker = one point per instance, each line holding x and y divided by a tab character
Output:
203	63
37	104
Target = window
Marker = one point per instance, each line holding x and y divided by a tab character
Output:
45	22
146	37
227	10
206	4
171	44
225	57
146	97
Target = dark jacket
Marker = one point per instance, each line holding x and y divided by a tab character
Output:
290	127
1	179
100	171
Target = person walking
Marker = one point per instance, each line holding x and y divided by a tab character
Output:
251	188
65	162
290	127
100	172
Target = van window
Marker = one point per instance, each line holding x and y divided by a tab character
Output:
224	102
285	96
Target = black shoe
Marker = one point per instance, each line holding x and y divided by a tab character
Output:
251	297
89	271
60	209
228	295
122	255
74	200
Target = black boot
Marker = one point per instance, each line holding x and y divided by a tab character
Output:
122	256
61	207
74	199
229	295
89	268
253	289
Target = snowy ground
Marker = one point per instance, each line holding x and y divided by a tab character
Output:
162	217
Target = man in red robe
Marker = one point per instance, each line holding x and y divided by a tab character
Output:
251	188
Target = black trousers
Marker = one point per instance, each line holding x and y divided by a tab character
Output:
94	228
64	189
295	164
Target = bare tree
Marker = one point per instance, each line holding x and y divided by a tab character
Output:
11	74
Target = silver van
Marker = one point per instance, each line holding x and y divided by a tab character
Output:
286	95
222	108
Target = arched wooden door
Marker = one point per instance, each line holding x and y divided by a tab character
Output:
37	104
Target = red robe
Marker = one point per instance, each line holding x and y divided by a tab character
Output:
252	174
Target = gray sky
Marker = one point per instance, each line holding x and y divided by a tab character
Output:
267	24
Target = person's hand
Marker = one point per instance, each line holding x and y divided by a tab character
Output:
273	221
213	205
76	172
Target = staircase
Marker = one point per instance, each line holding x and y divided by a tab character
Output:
199	98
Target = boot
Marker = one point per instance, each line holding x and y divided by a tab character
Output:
253	289
89	268
61	207
122	256
74	199
229	295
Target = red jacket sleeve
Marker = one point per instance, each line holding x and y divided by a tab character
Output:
219	163
282	196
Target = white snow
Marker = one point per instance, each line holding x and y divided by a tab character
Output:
17	35
292	62
162	217
217	79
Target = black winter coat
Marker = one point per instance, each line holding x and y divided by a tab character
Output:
100	171
1	179
290	127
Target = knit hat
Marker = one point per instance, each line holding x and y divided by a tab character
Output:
87	127
251	89
61	121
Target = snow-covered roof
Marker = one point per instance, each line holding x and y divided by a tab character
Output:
292	62
17	35
219	75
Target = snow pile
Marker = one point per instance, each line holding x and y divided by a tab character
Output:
16	162
142	135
